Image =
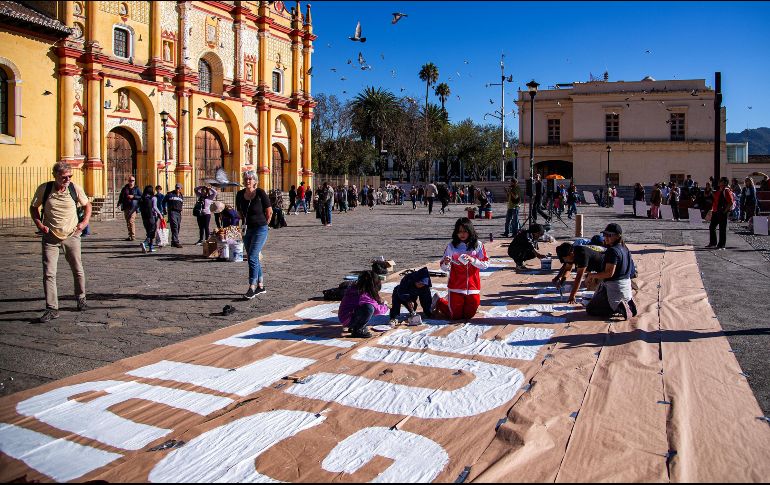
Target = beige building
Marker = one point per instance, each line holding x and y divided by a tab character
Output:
86	82
657	130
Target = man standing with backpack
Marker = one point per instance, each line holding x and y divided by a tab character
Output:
721	207
61	225
128	202
174	203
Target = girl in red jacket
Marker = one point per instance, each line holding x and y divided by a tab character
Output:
463	258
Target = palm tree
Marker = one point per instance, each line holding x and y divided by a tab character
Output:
371	110
443	92
429	74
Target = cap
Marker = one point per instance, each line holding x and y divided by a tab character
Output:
217	207
613	228
178	186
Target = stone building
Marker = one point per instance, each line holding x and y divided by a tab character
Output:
656	130
86	82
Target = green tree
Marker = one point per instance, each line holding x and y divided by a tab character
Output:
443	92
429	74
371	113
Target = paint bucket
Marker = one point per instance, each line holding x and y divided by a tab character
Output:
471	213
223	250
545	263
236	252
488	214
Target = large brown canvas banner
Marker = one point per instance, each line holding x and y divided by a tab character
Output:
531	389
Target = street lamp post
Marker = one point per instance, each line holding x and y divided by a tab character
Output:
500	115
516	163
164	120
609	149
532	87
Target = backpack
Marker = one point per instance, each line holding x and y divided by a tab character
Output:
73	193
198	208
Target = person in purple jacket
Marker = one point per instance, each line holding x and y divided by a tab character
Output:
361	302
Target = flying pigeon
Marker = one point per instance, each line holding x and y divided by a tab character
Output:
749	107
220	180
357	36
403	89
458	73
366	68
310	71
393	72
361	59
397	16
333	69
350	61
152	93
491	101
344	92
467	61
343	78
382	56
648	51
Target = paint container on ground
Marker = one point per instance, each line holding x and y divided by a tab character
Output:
545	263
224	250
236	252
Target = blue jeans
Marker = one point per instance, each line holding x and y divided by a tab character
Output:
253	242
301	202
329	211
361	317
512	221
572	209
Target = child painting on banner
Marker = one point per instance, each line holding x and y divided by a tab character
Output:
413	287
361	302
464	257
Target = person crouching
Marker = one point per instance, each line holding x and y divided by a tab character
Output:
464	257
522	248
414	286
361	302
614	294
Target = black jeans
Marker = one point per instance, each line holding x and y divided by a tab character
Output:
675	209
519	254
175	221
150	228
203	226
718	219
361	317
430	204
599	306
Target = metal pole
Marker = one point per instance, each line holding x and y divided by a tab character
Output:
502	118
608	177
113	192
717	124
165	153
532	150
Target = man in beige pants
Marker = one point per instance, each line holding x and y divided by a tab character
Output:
60	227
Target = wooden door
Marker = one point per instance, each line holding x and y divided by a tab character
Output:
121	156
209	154
277	172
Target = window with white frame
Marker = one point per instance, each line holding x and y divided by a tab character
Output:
121	42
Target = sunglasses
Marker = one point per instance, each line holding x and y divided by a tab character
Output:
607	234
65	177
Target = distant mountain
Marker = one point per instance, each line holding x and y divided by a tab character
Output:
758	138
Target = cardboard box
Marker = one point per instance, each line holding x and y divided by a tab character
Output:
210	248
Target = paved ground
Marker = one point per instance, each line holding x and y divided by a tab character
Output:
140	302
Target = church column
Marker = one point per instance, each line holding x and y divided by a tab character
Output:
156	40
183	167
307	109
263	24
93	166
296	51
264	146
307	163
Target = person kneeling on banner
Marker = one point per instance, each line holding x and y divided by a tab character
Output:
524	245
464	257
585	258
412	287
361	302
614	293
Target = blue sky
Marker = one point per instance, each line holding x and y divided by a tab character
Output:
552	42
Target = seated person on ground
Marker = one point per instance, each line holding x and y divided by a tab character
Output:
361	302
584	258
412	287
614	294
230	216
522	248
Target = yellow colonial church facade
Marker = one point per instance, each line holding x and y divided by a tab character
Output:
90	83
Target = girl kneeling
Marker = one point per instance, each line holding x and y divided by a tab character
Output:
463	258
361	302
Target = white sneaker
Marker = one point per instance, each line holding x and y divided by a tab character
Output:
434	302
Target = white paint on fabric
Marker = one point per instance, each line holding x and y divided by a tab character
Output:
94	420
241	381
319	312
549	308
522	344
280	330
391	285
60	459
500	261
416	459
522	315
493	386
227	454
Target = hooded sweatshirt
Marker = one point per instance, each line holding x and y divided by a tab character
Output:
352	300
407	291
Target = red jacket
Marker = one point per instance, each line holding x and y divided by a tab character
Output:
728	195
301	192
465	278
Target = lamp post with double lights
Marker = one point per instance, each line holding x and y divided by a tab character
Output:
164	120
609	149
500	115
532	87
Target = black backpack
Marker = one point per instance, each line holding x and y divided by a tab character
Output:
198	209
73	193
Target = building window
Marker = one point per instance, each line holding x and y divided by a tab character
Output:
612	127
614	178
677	177
277	82
204	76
121	45
4	130
677	126
554	131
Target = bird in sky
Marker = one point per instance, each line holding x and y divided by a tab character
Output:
403	89
366	68
329	45
450	78
458	73
333	69
343	78
397	16
467	61
749	107
393	72
382	56
357	36
344	92
458	97
350	61
361	59
310	71
648	51
491	101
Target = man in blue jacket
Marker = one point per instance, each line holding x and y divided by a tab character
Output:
412	287
128	201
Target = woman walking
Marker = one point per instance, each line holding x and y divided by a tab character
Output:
206	195
148	206
292	200
748	200
254	206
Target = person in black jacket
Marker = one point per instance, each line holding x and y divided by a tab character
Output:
173	203
412	287
128	202
522	248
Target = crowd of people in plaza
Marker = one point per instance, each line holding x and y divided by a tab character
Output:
61	211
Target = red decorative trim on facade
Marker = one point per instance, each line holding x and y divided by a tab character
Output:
93	163
69	70
263	170
167	34
309	36
123	66
183	167
126	118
